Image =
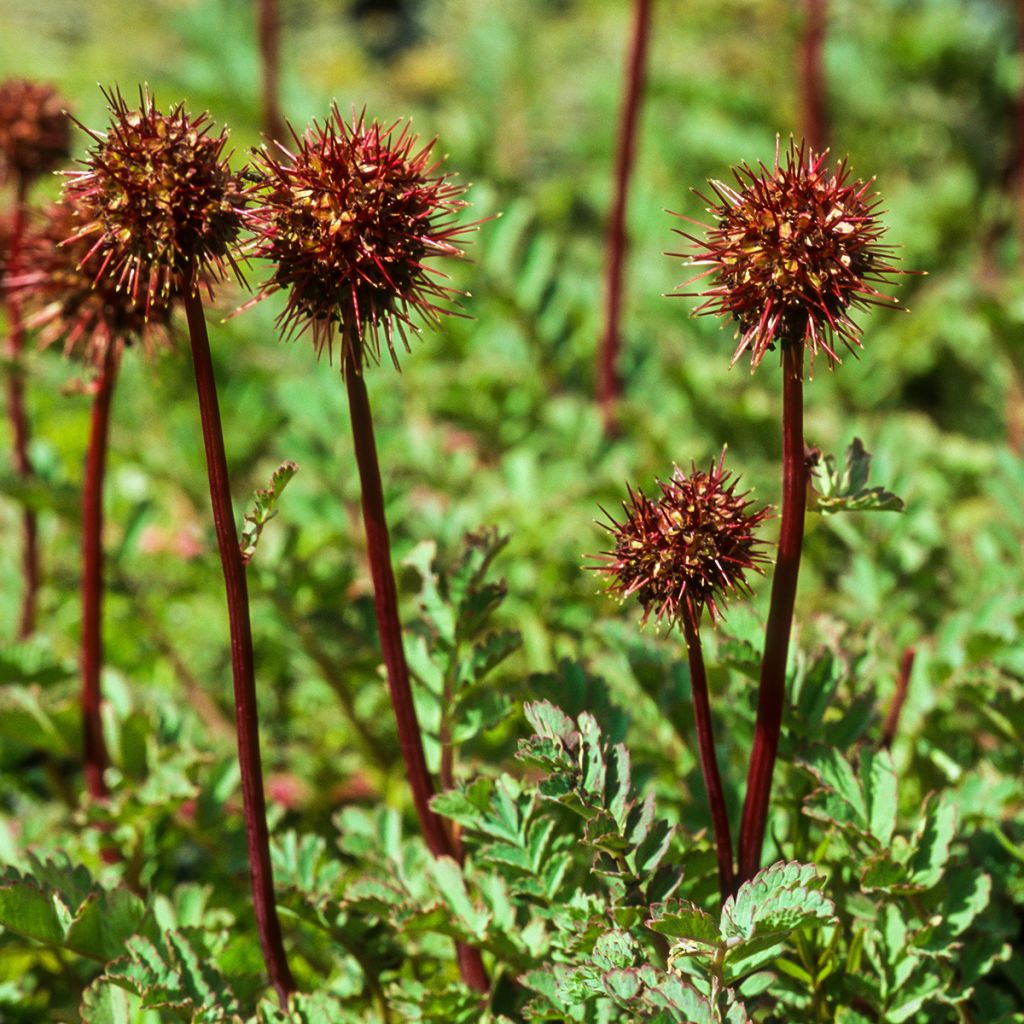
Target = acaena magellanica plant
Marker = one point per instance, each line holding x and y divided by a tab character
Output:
162	209
71	301
35	139
348	220
791	252
684	552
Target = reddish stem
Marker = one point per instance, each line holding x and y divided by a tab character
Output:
609	384
812	75
892	719
772	692
385	599
708	759
246	716
96	758
268	27
19	420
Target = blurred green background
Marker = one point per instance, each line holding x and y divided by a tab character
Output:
492	419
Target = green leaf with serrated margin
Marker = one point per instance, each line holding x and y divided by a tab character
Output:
264	509
681	919
33	911
104	923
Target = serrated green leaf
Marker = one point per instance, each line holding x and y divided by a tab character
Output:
264	509
680	919
104	923
32	911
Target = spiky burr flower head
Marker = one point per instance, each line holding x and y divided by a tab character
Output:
159	200
687	550
35	133
348	220
794	249
67	295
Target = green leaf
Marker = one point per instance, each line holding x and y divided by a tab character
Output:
170	972
264	509
32	911
846	490
106	1003
682	920
104	922
774	903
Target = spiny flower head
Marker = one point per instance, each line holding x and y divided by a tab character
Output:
687	550
793	249
68	296
35	134
348	220
159	200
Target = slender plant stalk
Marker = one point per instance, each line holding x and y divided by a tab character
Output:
708	759
772	692
812	75
609	384
268	28
385	599
96	757
19	422
246	717
892	719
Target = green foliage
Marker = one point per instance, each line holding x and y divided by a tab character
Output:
562	738
264	508
846	489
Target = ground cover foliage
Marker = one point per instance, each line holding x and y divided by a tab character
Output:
893	887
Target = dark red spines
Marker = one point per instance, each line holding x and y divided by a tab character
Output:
159	200
35	134
688	550
68	297
793	250
348	219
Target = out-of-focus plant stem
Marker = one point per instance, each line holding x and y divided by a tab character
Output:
18	416
385	598
899	697
812	75
243	671
268	28
771	696
95	747
609	384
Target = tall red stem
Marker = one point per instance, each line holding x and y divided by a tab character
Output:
268	28
246	716
385	599
772	692
609	384
708	759
812	75
19	420
96	758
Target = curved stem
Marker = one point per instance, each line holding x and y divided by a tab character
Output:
19	421
772	692
243	672
812	75
708	760
96	758
609	386
385	600
268	28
